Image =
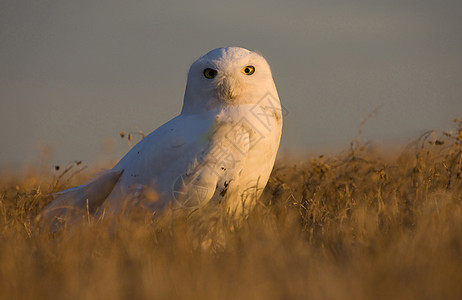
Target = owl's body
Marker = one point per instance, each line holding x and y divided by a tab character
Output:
220	149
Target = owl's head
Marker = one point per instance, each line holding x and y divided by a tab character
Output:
227	76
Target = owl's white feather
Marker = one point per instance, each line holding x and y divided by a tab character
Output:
221	148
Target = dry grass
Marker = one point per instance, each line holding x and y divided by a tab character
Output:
357	225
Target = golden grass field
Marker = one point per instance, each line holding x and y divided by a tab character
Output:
360	224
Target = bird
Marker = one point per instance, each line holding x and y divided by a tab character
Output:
220	149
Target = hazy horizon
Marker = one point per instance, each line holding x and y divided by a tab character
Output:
75	74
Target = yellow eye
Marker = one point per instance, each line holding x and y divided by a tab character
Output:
210	73
249	70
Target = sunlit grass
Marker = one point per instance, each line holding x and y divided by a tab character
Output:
356	225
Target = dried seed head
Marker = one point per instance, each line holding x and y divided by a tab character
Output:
447	133
439	142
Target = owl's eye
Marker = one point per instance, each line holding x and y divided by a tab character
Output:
210	73
249	70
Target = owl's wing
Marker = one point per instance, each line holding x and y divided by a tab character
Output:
143	162
79	201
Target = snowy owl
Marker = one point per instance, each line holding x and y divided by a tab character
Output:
221	148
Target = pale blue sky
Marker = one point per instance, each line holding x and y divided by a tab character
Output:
75	73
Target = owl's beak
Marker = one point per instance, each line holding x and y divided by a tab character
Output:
227	88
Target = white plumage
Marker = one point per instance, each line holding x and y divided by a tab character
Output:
221	148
